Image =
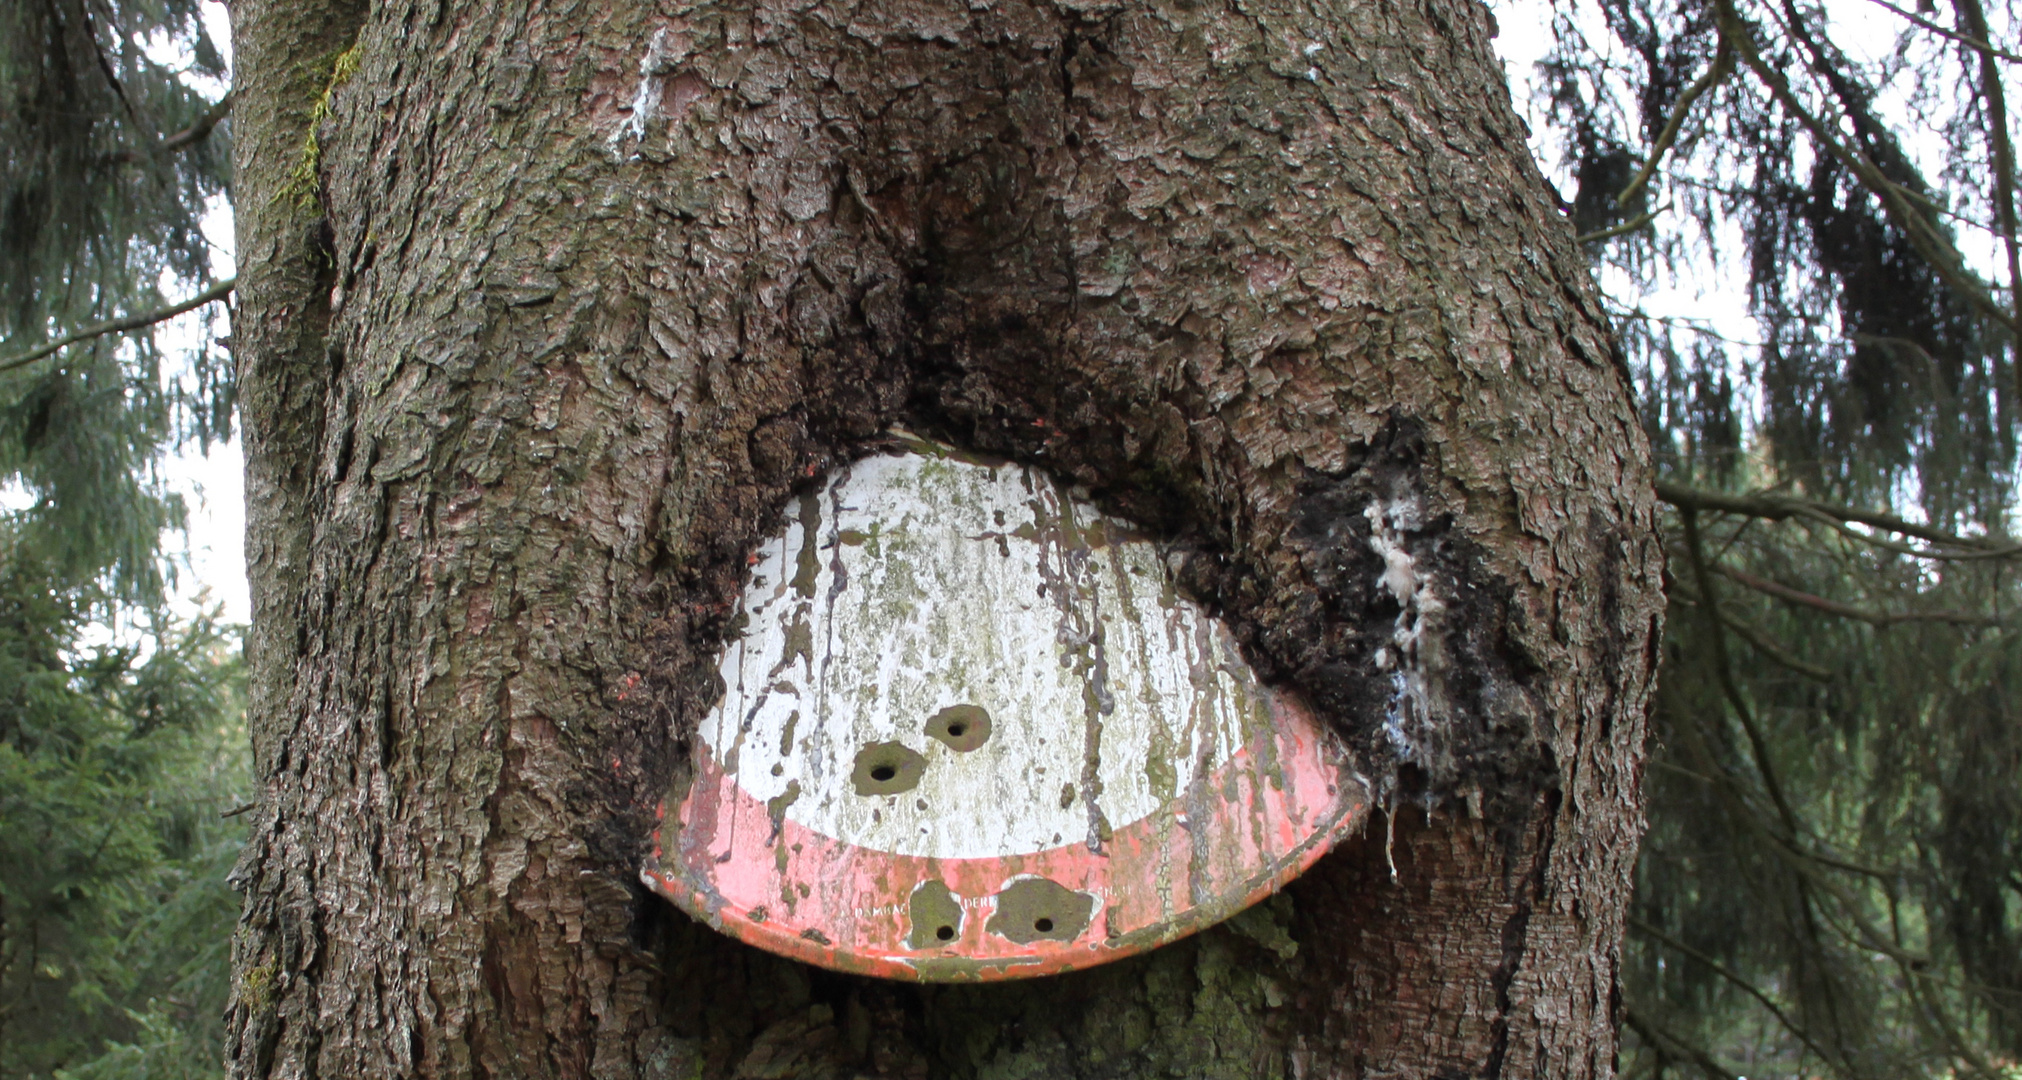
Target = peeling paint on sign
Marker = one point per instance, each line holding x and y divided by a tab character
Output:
973	731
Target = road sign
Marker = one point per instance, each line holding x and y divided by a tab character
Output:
970	729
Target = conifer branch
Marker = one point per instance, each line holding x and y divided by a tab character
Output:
1975	19
198	131
114	326
1722	970
1848	611
1935	247
1761	639
1770	648
105	64
1655	1034
1724	672
1913	967
1910	550
1723	62
1979	45
189	136
1783	507
1628	226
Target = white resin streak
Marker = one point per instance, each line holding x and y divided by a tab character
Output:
936	582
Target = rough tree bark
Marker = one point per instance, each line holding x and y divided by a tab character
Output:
582	289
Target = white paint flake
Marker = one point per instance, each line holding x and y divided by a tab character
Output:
645	100
1414	641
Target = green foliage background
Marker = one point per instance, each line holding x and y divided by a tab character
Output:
114	769
1832	880
119	751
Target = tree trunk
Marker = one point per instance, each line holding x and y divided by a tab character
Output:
582	291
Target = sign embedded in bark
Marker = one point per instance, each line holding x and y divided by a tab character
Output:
971	730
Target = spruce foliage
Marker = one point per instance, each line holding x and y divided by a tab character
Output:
115	917
116	759
1832	880
108	158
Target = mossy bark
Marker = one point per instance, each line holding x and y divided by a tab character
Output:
592	288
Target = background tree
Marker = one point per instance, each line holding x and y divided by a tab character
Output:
114	767
109	160
1832	883
115	758
581	292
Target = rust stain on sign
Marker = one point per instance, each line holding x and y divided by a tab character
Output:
971	730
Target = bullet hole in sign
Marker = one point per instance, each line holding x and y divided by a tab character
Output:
887	769
935	913
1033	908
960	728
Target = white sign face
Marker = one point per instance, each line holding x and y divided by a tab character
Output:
970	730
957	660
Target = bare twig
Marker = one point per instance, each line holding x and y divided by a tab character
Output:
1978	44
114	326
1656	1034
1730	975
198	131
1665	766
188	136
1848	611
1628	226
1723	62
1782	507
